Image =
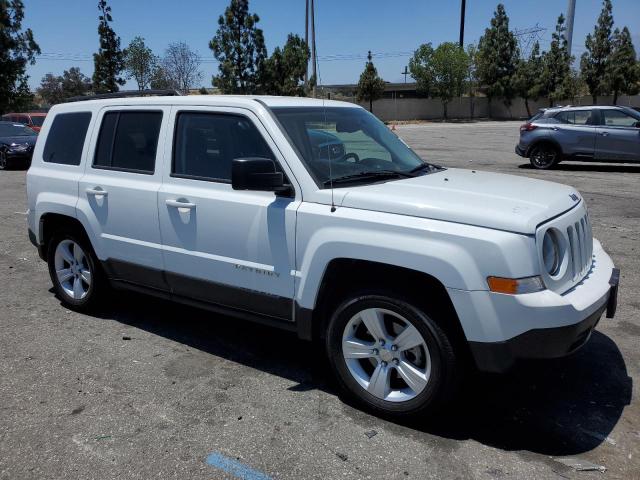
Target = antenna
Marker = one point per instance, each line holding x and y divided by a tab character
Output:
316	65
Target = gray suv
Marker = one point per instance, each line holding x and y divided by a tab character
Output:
596	133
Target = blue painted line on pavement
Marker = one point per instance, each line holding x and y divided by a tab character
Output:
235	468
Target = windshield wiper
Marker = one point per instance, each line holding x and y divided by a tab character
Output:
375	174
425	166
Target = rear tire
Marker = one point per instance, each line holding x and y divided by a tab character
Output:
544	156
75	271
390	357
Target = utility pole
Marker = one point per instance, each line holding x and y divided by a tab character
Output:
571	13
306	39
314	57
405	73
462	11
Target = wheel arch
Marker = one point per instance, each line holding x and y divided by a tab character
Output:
546	141
50	222
343	276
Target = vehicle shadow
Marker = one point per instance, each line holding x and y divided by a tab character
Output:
559	407
590	167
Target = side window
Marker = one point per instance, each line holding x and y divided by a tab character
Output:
616	118
128	141
66	138
575	117
205	145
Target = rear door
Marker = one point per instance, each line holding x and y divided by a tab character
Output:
119	192
222	246
576	132
618	137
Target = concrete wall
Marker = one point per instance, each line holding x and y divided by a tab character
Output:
389	109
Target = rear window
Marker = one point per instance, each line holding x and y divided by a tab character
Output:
66	138
128	141
37	121
576	117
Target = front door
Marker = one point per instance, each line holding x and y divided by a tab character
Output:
227	247
118	193
618	138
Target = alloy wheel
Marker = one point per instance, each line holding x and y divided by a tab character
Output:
73	271
543	157
386	355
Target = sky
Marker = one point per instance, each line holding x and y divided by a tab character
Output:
66	30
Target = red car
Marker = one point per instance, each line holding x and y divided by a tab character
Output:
32	120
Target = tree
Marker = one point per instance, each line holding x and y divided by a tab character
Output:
498	58
527	80
623	73
18	48
182	66
440	73
140	62
370	86
419	66
595	61
559	82
472	77
284	70
109	61
160	80
203	91
72	83
50	89
240	50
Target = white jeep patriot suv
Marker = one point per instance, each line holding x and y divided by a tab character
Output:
312	216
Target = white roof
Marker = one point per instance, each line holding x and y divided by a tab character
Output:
213	100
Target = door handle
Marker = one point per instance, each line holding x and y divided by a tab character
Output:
555	129
181	206
604	134
97	192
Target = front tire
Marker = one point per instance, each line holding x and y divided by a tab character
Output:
4	163
389	356
75	272
544	156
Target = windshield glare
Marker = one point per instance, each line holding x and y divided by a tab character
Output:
15	130
338	141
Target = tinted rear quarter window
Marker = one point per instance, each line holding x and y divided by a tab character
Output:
128	141
66	138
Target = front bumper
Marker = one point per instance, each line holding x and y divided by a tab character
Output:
23	158
501	329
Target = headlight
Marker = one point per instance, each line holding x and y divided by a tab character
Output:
15	147
551	252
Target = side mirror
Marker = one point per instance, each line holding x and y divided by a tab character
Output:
637	124
257	174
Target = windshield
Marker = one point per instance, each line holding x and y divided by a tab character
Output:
336	142
15	130
37	120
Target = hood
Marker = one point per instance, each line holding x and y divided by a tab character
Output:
31	140
493	200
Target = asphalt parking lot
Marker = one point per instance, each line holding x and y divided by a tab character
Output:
148	389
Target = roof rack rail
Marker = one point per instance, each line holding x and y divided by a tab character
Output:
126	94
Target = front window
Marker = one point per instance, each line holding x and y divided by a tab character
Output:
617	118
15	130
338	143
